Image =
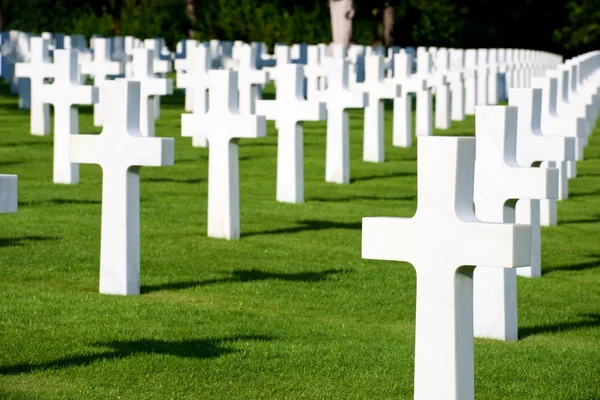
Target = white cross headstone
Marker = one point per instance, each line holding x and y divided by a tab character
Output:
378	89
183	64
314	71
249	79
553	124
338	98
288	110
444	242
151	87
410	84
499	182
64	94
471	77
38	69
223	126
457	84
101	68
121	150
8	194
424	125
162	65
196	80
441	82
533	148
482	77
492	85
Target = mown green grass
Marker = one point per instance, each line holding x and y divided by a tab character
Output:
290	310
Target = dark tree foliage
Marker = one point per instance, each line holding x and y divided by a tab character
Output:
567	27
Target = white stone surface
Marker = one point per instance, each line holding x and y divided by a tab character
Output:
533	148
378	89
223	126
499	182
444	241
121	150
150	87
101	68
338	98
288	110
64	94
36	70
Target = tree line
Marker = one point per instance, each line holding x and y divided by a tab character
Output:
567	27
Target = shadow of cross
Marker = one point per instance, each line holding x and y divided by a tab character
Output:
189	348
252	275
444	241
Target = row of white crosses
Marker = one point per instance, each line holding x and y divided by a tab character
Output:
467	286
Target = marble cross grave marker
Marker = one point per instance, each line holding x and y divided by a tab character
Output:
8	194
150	86
444	242
533	148
64	94
249	79
196	81
553	125
37	69
183	64
411	84
289	109
101	68
338	98
161	65
378	89
121	150
424	125
440	80
499	182
223	126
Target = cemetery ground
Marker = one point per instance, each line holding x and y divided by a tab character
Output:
290	310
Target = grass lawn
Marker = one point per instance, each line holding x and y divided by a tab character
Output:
290	310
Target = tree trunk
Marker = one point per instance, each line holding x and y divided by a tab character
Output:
190	9
116	17
389	18
342	12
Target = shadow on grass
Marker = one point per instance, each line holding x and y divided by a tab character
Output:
580	221
595	263
10	163
58	202
309	225
585	194
253	275
370	198
193	348
13	107
22	144
373	177
588	321
175	180
21	241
